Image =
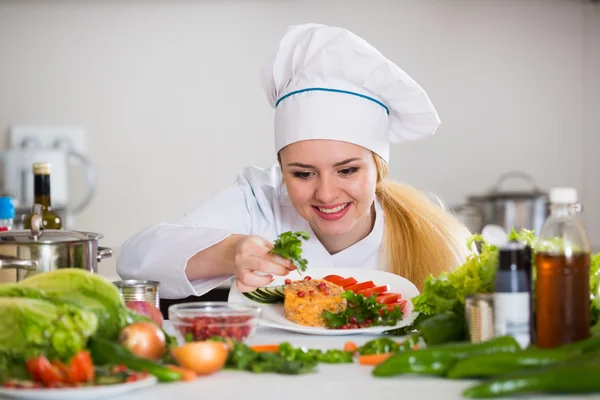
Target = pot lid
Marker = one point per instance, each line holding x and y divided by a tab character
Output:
46	236
496	193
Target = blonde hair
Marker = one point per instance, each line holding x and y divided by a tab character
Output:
420	238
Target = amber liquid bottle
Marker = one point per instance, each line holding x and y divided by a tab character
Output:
562	262
41	193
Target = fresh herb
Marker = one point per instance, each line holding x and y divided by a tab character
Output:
362	311
289	245
288	360
331	356
378	346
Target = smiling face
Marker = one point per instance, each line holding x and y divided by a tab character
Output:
331	184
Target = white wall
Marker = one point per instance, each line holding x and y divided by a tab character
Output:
169	91
592	123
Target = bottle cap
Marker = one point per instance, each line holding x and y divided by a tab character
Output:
563	195
512	256
42	168
7	209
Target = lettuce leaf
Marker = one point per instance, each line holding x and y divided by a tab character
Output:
448	291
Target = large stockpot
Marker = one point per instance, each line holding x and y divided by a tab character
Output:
37	250
526	209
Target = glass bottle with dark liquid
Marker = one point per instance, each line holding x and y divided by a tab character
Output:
562	262
41	193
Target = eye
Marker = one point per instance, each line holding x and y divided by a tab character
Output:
348	171
302	175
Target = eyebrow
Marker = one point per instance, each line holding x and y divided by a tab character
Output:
338	164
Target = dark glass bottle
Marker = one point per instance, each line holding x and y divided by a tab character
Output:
41	192
512	294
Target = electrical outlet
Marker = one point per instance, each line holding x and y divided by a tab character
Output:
47	137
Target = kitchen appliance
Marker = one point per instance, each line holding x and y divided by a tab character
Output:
17	179
26	252
526	209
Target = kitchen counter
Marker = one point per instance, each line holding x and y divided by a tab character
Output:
341	381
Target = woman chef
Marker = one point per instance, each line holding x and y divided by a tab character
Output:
338	105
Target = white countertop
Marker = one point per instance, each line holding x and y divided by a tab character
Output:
339	381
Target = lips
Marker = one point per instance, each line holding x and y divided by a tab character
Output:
332	212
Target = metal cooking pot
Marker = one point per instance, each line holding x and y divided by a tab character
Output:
37	250
508	209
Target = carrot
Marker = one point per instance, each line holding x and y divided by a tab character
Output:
265	348
350	346
373	359
187	374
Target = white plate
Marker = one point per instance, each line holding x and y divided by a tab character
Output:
273	315
89	392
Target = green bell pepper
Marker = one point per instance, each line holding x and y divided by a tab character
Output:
578	375
437	360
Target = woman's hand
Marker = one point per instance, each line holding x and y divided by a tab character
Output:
255	267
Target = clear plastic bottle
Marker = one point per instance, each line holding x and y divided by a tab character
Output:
7	214
562	262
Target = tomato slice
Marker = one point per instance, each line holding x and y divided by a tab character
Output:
348	282
43	371
392	307
376	290
361	286
387	298
335	279
81	368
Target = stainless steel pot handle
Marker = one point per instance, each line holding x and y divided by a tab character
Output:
515	174
103	252
30	265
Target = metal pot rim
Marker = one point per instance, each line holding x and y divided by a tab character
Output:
508	196
48	236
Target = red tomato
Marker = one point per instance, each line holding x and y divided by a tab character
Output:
361	286
399	303
43	371
335	279
348	282
81	368
376	290
388	298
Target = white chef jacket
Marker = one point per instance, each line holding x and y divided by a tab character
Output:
257	204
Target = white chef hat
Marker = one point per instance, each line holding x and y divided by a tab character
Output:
327	83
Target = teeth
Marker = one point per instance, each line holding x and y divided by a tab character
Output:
333	210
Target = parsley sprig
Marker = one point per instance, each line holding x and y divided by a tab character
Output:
289	245
360	309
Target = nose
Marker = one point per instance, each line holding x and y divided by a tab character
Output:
327	190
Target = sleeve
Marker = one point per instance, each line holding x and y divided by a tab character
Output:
160	252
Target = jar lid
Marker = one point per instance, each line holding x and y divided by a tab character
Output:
7	208
47	236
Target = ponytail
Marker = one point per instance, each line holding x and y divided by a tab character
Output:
420	239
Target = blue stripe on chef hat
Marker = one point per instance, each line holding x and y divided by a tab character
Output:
333	91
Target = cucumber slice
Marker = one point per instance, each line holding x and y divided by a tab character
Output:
259	299
276	291
266	295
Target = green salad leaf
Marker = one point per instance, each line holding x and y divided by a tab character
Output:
32	327
289	245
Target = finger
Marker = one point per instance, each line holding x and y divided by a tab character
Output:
284	262
250	279
244	288
264	265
